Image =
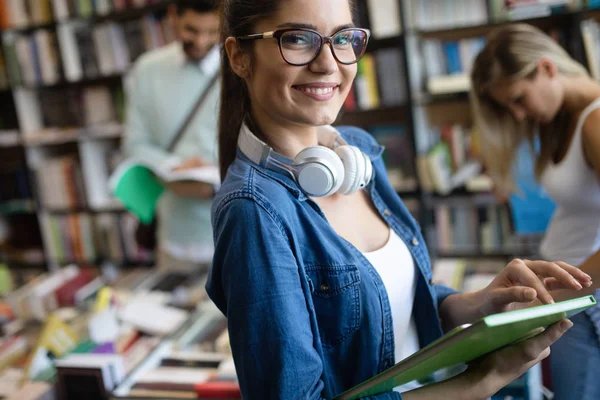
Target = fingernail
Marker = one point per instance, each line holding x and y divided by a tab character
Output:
587	276
577	284
566	324
587	284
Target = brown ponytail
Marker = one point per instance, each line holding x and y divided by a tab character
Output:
238	19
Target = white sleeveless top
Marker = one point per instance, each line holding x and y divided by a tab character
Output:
396	267
574	231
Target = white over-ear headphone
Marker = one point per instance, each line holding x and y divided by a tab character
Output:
332	167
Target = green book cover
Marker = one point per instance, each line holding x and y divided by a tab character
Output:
139	190
468	342
139	184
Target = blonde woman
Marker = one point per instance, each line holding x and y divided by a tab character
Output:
525	86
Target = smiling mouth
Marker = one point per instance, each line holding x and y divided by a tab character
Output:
315	90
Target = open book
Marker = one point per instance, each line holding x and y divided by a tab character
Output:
468	342
138	184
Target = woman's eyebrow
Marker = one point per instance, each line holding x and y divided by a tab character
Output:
313	27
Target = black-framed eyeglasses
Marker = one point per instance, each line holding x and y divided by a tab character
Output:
301	46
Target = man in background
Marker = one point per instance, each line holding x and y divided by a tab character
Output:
162	89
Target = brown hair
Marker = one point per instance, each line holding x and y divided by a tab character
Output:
512	53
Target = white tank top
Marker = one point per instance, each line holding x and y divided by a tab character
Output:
396	267
574	231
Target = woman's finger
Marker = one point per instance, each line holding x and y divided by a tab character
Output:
519	271
519	294
536	345
576	272
555	284
548	269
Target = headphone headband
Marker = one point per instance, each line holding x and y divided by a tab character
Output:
318	170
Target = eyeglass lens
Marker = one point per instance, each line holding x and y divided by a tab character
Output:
301	47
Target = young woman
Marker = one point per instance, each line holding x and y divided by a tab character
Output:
526	87
320	269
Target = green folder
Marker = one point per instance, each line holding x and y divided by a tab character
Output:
139	190
468	342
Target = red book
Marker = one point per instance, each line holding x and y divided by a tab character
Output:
65	295
218	390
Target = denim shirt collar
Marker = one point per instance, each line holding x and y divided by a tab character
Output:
373	151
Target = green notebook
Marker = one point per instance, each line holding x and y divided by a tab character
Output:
139	190
468	342
138	184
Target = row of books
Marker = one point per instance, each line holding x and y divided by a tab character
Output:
590	31
78	50
451	161
398	155
466	275
380	81
448	63
4	83
86	238
23	13
383	17
522	9
441	14
60	183
471	228
14	184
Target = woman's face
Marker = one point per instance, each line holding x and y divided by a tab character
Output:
538	99
312	94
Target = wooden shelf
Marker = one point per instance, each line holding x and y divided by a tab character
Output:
425	99
99	80
10	138
362	118
474	254
17	206
458	32
377	44
129	13
53	137
460	198
84	210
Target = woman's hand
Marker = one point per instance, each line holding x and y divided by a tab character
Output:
487	375
521	284
494	371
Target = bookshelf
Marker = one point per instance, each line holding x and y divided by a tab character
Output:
62	64
63	107
441	40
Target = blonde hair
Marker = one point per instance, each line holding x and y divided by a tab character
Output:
512	53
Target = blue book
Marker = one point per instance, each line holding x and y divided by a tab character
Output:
532	209
452	52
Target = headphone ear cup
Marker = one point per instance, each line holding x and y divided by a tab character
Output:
368	169
318	171
354	167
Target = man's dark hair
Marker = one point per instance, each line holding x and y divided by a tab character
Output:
199	6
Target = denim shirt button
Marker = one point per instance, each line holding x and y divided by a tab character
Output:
324	287
415	241
387	212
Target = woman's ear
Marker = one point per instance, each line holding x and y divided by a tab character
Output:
547	67
238	59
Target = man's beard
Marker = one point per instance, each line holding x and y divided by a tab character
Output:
188	49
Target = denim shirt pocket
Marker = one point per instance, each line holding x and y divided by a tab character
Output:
335	293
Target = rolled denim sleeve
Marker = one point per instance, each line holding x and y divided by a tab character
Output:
442	292
257	283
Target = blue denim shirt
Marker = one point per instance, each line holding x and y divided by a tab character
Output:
308	315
